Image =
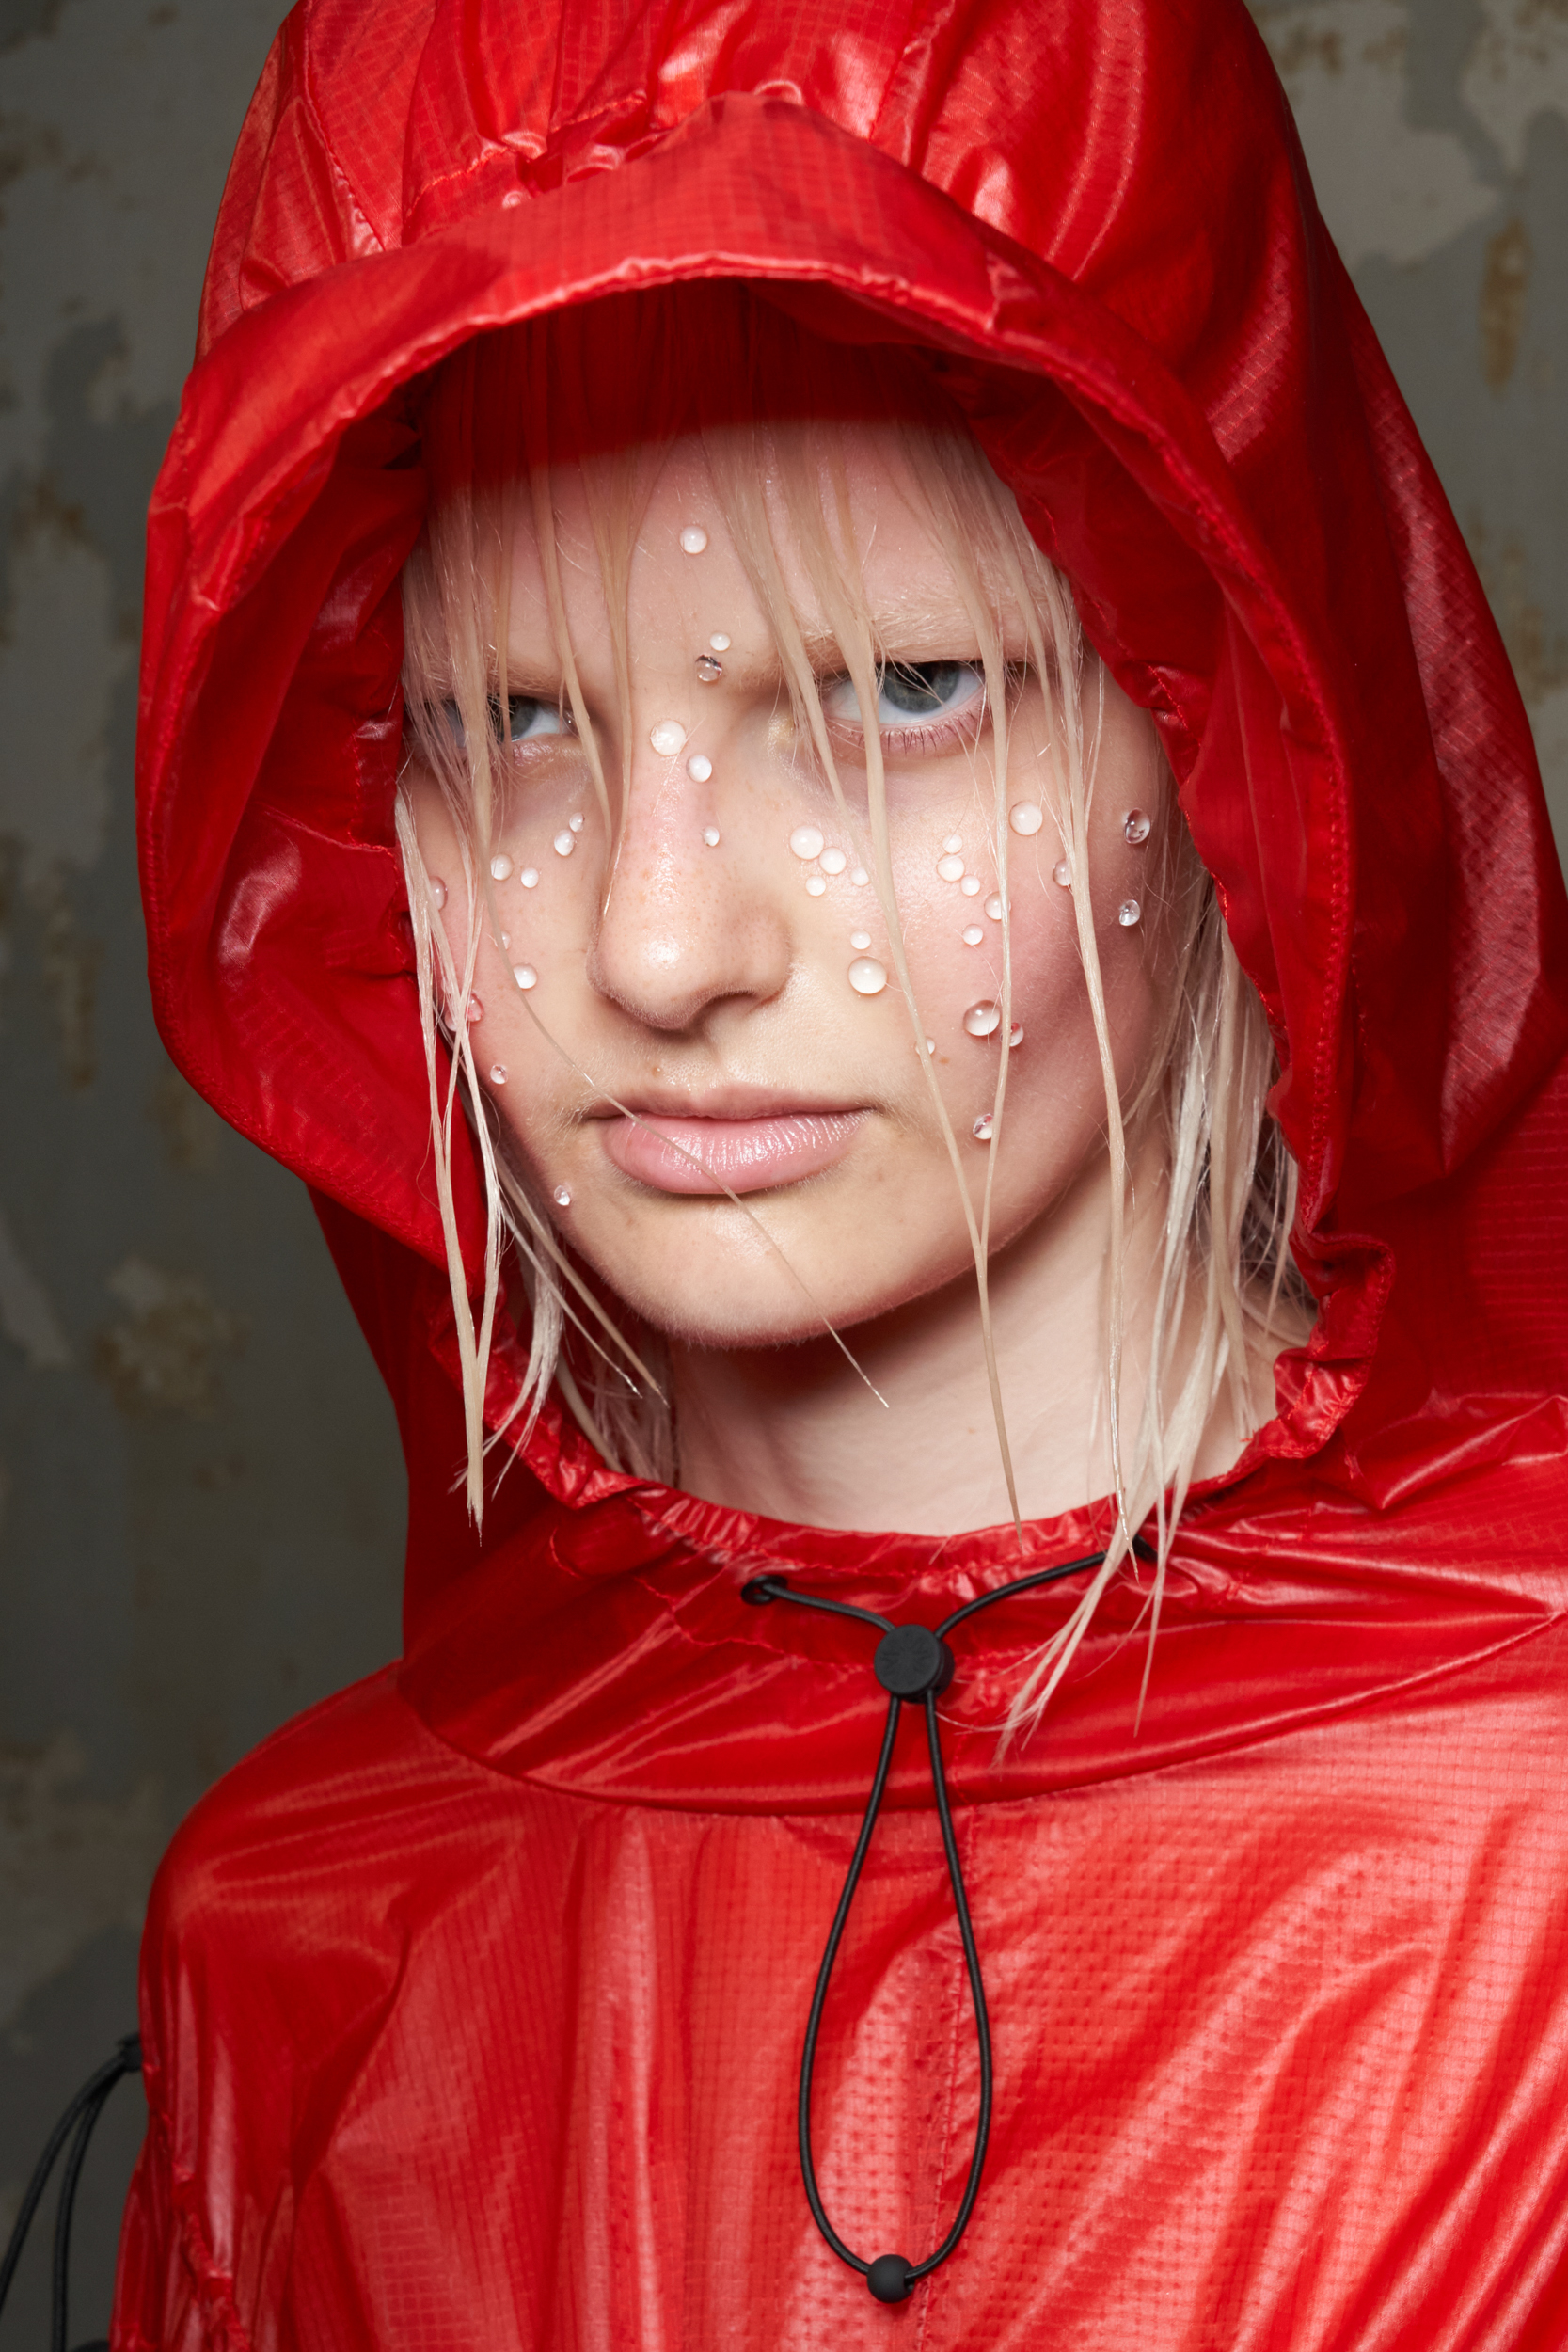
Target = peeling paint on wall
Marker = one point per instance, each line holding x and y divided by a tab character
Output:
1517	71
1384	185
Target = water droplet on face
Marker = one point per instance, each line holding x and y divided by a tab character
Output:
530	878
993	908
498	1074
718	642
563	844
438	893
833	861
931	1046
708	671
950	866
815	885
971	885
506	939
476	1011
693	539
1026	816
1136	825
867	978
499	867
1128	914
1062	872
562	1197
980	1020
981	1129
860	878
973	934
576	821
806	841
954	842
860	941
698	767
710	834
667	738
1015	1035
525	975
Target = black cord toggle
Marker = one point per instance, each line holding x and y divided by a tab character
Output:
914	1666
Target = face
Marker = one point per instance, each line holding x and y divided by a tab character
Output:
705	1000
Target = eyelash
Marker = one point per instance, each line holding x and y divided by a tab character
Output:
962	731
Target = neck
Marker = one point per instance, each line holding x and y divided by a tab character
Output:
800	1433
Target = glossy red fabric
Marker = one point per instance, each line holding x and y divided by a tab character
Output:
473	2000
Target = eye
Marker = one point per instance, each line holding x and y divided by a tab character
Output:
527	718
910	693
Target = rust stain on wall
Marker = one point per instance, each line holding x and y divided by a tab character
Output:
1504	293
166	1353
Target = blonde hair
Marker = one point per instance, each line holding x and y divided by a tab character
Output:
610	387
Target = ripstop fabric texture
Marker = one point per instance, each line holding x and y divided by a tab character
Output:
472	2001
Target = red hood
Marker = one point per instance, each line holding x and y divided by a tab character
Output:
1202	432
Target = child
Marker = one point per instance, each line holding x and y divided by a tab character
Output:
817	745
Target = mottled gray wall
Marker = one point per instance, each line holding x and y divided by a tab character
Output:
200	1492
199	1496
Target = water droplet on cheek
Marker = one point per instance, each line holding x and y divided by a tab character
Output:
806	841
698	767
562	1197
563	844
951	867
993	908
476	1011
1062	872
981	1129
955	841
973	934
1136	825
833	861
667	738
860	878
693	539
1128	914
982	1019
1015	1035
499	867
718	642
525	975
438	893
498	1074
815	885
710	834
867	978
860	940
530	878
971	885
1026	816
575	823
708	671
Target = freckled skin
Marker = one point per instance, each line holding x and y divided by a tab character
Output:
667	966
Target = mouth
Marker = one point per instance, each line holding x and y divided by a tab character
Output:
678	1153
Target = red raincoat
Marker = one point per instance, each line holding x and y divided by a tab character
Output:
473	2000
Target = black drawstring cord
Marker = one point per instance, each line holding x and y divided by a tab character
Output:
910	1663
79	2118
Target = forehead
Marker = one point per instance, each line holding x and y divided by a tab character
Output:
852	488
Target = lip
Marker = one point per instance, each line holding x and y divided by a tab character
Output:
746	1154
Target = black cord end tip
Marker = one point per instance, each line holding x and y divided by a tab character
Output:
889	2278
762	1589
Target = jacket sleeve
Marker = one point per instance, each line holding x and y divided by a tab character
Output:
166	2295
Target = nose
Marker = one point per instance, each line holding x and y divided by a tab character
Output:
690	923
